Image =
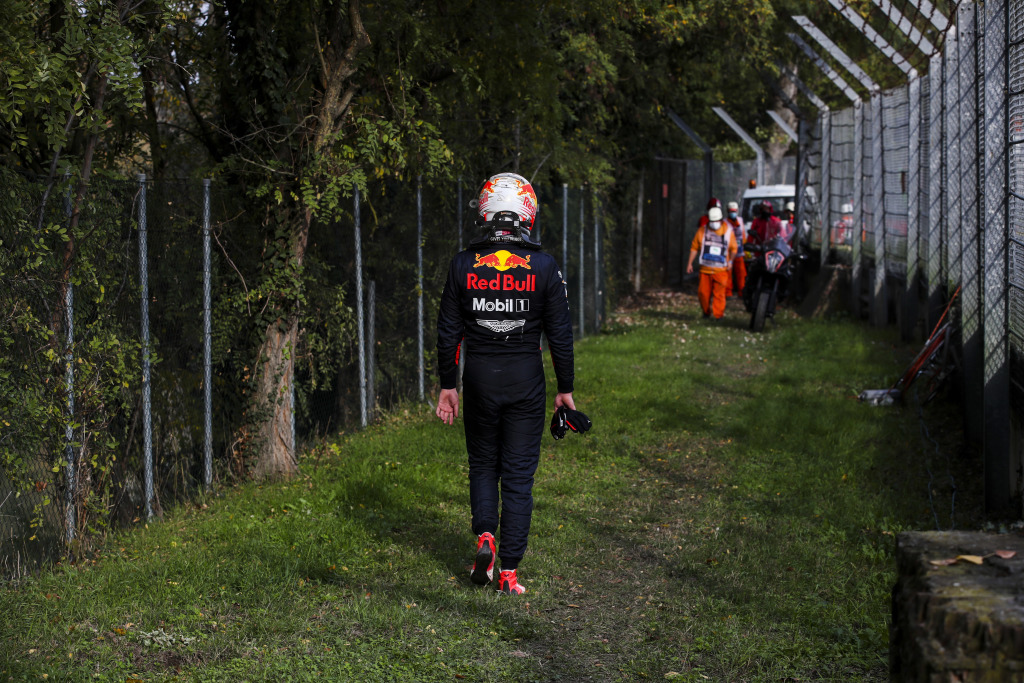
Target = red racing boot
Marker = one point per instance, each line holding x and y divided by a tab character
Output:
483	566
508	584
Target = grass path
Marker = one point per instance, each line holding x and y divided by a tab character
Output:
729	518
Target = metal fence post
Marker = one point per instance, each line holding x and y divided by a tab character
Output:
639	233
207	347
458	210
1015	211
954	269
147	422
583	198
993	118
826	189
910	304
371	355
565	231
709	163
971	162
419	280
937	158
359	308
70	452
857	229
804	149
747	138
879	295
597	263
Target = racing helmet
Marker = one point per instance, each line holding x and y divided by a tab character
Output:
507	209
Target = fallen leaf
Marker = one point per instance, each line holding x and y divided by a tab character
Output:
944	563
973	559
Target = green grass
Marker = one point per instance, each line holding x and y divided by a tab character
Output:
730	517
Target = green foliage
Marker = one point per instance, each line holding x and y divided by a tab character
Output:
35	362
68	67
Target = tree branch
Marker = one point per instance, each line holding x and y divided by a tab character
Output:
338	69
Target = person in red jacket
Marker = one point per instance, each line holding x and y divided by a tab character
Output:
767	225
739	266
716	245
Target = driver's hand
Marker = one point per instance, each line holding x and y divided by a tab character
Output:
448	405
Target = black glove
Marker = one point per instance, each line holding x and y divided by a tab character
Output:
567	418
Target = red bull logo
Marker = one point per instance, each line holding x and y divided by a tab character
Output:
502	283
502	260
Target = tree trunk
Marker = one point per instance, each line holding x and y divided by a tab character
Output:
779	143
274	390
273	401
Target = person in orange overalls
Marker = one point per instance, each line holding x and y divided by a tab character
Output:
712	203
716	245
739	266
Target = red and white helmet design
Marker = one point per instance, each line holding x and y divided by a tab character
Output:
507	192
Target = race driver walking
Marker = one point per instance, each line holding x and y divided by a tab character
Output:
501	294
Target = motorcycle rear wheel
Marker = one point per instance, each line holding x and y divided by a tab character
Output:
760	311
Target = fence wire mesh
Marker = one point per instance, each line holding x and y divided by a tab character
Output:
895	169
73	445
942	208
1015	135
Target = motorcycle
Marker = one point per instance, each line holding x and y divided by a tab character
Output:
770	275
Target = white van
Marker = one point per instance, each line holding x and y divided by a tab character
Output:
778	195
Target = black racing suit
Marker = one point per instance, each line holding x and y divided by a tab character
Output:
498	299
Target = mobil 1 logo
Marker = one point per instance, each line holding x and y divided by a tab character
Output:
501	305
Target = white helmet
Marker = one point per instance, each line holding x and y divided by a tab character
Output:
790	206
714	214
507	192
507	206
846	208
733	206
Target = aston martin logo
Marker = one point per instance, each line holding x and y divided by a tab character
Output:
501	326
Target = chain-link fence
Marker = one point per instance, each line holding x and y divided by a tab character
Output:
128	366
939	206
